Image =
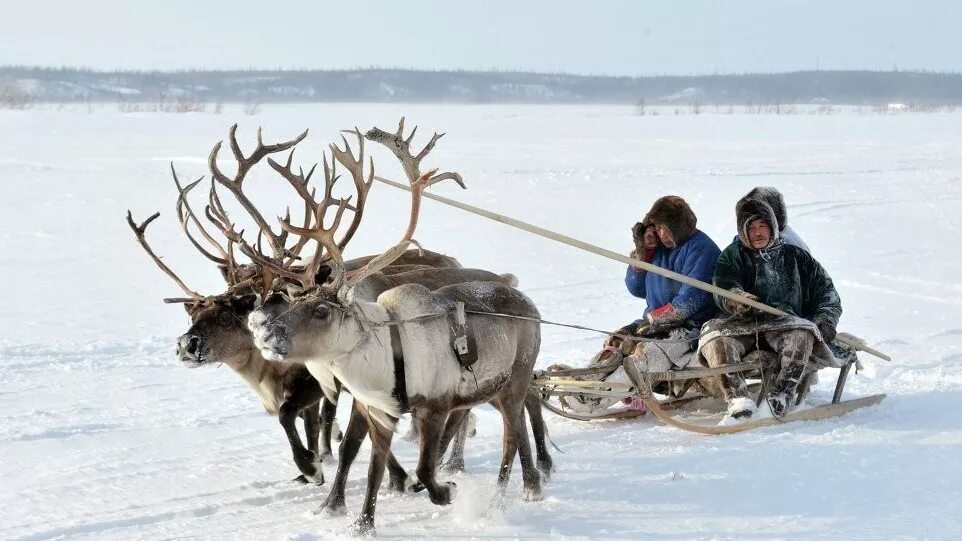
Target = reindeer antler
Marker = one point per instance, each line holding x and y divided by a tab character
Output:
139	232
236	184
312	209
356	167
185	215
401	148
323	236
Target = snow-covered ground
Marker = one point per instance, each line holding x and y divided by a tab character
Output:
105	436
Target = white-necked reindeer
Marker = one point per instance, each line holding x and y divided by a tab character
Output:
397	354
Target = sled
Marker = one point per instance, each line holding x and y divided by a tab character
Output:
556	386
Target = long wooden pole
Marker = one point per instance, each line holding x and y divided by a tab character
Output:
621	258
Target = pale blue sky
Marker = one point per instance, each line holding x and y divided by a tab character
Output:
601	37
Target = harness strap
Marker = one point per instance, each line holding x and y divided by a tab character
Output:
400	392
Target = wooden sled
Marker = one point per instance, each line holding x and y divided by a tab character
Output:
564	383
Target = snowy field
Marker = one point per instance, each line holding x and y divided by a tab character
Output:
105	436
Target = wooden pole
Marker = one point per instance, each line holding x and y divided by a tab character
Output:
618	257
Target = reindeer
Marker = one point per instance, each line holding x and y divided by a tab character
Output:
218	333
392	367
430	269
357	428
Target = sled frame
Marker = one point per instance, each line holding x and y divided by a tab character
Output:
564	383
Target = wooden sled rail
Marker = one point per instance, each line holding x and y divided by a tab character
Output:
558	377
626	413
818	412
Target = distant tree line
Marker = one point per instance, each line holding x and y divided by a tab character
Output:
184	88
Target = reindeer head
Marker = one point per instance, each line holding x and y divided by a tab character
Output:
218	332
316	325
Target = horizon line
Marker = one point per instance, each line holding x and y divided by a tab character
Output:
9	67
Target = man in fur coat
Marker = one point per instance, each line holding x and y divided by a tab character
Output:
761	266
667	237
775	200
678	246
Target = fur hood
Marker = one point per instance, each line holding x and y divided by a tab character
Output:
771	196
747	211
674	213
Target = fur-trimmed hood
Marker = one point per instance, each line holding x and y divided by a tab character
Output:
674	213
771	196
747	211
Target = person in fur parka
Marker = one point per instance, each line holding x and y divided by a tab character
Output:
760	265
775	200
682	248
667	237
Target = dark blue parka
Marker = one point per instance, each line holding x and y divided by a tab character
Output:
695	257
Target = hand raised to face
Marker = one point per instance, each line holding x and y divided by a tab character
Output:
644	235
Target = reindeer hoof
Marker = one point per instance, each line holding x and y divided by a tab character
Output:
533	493
308	462
331	510
363	526
311	471
333	506
442	494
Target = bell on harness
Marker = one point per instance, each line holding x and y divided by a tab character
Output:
462	342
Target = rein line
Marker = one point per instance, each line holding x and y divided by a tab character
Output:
635	338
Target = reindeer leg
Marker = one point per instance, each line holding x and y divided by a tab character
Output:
532	403
305	459
328	414
353	437
459	432
529	474
430	425
510	443
312	427
380	448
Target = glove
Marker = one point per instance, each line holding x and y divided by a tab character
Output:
664	315
737	308
827	329
638	232
645	239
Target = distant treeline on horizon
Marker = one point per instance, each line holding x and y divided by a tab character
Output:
397	85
